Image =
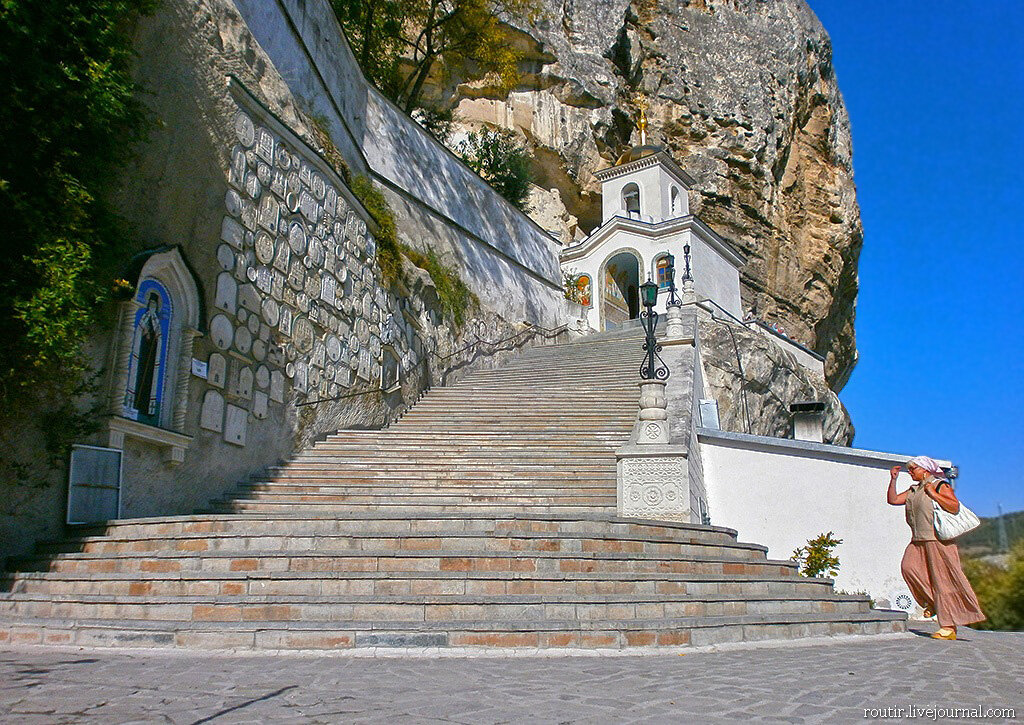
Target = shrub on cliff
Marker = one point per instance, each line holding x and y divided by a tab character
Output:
502	161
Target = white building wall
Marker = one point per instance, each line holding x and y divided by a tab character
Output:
655	185
782	493
713	276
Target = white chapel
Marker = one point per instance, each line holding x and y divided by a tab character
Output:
645	222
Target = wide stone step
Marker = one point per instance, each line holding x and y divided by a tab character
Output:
470	497
427	541
403	560
394	458
406	507
402	487
296	524
273	583
412	608
343	478
399	463
592	634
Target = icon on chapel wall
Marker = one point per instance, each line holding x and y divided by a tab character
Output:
583	289
145	391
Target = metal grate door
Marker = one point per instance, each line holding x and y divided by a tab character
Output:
94	485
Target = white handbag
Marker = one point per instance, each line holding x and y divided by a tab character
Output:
949	526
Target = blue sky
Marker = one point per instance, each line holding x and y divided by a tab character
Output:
935	93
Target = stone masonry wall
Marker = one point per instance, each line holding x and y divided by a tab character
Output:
234	174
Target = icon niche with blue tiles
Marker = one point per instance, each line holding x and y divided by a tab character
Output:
146	379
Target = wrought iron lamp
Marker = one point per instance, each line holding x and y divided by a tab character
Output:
686	257
653	367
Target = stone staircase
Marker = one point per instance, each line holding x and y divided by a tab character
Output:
484	518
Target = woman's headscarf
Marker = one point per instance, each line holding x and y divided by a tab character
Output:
929	465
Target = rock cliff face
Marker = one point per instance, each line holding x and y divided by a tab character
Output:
743	94
755	381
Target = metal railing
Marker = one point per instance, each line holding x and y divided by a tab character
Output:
512	341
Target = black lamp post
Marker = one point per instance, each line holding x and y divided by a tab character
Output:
653	367
686	257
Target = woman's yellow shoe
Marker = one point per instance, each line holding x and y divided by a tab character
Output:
945	633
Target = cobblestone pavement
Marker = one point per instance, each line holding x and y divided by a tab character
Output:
825	681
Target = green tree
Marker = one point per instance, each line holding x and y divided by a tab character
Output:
502	161
1000	590
68	119
399	43
817	558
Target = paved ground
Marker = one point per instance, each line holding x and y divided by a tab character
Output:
827	681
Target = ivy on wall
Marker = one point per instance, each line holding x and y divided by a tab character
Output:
68	120
455	297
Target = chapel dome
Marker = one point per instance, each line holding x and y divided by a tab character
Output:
638	152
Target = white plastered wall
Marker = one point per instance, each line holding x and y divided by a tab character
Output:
655	195
783	494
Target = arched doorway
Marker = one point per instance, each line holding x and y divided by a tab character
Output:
620	301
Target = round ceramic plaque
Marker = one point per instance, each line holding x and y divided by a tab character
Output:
333	348
318	185
233	202
243	340
253	324
262	376
297	237
284	159
244	129
271	312
263	173
222	332
259	350
302	334
264	248
252	185
226	257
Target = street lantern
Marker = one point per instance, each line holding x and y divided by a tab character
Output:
670	272
653	367
649	293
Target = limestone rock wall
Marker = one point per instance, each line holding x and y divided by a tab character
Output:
744	95
755	381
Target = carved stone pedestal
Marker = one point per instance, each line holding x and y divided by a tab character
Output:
652	475
675	328
653	483
652	421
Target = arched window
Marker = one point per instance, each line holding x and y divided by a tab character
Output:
661	273
631	200
676	207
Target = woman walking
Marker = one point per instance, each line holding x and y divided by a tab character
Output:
931	567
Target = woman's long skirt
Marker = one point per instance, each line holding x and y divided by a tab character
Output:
932	571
